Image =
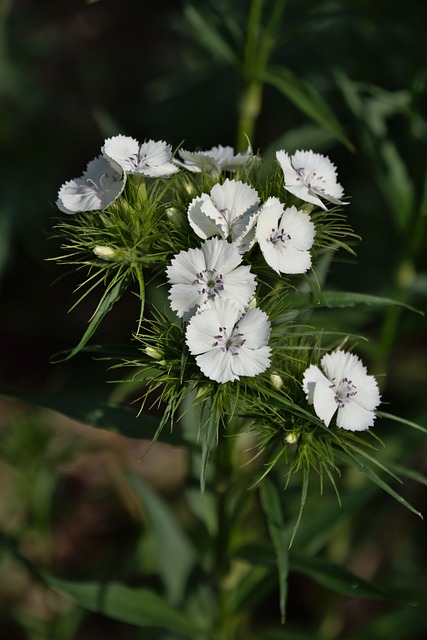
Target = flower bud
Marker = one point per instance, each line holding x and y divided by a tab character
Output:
105	252
291	437
153	353
175	216
276	380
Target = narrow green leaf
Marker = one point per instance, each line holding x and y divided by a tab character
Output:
257	584
175	555
140	278
306	98
272	507
344	299
408	423
375	478
141	607
343	581
209	36
395	183
209	439
332	576
304	489
110	297
120	418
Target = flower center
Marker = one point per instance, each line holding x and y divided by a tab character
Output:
100	189
229	342
310	179
211	283
344	391
279	236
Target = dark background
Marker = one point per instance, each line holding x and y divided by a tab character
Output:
73	73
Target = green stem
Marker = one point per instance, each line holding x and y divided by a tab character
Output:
249	110
259	44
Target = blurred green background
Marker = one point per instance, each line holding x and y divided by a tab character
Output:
74	73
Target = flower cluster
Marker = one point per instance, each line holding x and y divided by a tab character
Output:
228	244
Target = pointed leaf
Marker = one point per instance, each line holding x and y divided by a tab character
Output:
141	607
344	299
306	98
108	415
209	439
175	555
375	478
343	581
408	423
110	297
272	508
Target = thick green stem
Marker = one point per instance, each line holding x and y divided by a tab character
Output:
249	110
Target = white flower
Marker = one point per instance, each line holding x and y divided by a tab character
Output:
309	175
343	385
201	275
230	211
150	159
285	237
228	344
215	160
99	186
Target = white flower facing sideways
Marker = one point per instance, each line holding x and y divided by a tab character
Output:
215	160
229	211
285	237
229	343
201	275
342	385
150	159
310	176
99	186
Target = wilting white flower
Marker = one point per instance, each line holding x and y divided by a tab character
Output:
99	186
201	275
215	160
310	176
343	385
230	211
228	343
285	237
150	159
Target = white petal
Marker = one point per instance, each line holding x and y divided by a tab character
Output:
120	149
98	187
184	299
324	401
299	226
185	266
256	328
251	362
201	224
239	285
303	193
353	417
237	197
220	255
312	375
217	365
309	175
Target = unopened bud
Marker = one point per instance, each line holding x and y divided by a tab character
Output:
292	437
153	353
175	216
105	252
276	380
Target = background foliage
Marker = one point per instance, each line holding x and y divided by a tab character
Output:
74	73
